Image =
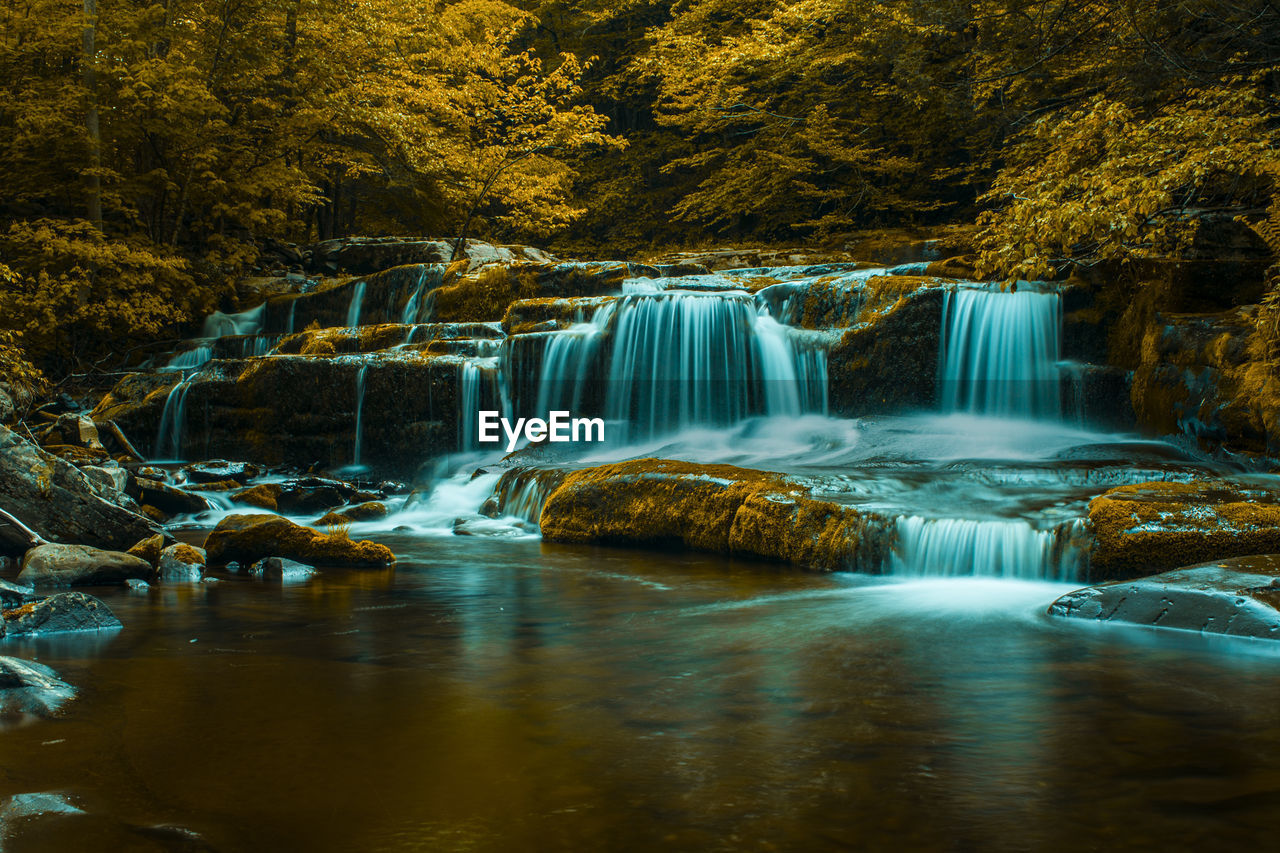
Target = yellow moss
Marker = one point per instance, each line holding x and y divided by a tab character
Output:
248	538
263	496
149	549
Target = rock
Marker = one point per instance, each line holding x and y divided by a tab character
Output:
360	512
76	430
64	612
7	407
137	585
263	496
212	472
111	481
216	486
1145	528
280	569
181	562
1238	597
149	549
55	565
306	499
12	595
718	508
150	472
59	502
167	498
28	688
249	538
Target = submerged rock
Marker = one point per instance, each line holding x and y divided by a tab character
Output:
53	565
64	612
1145	528
718	508
249	538
168	498
58	501
1238	597
281	569
28	688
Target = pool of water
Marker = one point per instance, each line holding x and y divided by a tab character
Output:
503	695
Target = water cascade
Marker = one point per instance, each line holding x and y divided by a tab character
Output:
357	303
172	421
359	437
1010	548
410	314
1000	352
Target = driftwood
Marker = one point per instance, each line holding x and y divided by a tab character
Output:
33	538
114	429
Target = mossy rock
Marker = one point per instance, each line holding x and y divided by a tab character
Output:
149	549
717	508
245	539
263	496
1149	528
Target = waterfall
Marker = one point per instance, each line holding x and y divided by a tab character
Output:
357	302
355	452
172	421
999	353
472	397
219	325
1009	548
191	359
681	359
293	313
410	314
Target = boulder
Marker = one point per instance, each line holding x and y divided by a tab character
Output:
248	538
280	569
76	430
1145	528
1238	597
54	565
12	595
58	501
213	472
263	496
64	612
181	562
108	481
149	549
360	512
717	508
166	498
28	688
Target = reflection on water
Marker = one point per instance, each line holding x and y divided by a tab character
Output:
495	695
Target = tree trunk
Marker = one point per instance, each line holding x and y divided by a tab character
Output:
90	32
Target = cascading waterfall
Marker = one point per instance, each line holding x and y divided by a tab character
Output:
191	359
172	421
359	437
219	325
999	353
681	359
357	303
472	396
410	314
1009	548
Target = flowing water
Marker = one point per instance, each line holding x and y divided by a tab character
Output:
496	692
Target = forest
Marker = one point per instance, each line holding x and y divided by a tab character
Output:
152	151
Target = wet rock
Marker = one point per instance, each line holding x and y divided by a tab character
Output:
60	613
360	512
717	508
1145	528
1238	597
54	565
181	562
27	688
889	363
281	569
166	498
137	585
76	430
488	293
213	472
216	486
300	499
149	548
362	255
13	595
150	472
249	538
263	496
58	501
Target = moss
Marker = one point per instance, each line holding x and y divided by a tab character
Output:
184	553
249	538
962	266
1155	527
263	496
717	508
149	549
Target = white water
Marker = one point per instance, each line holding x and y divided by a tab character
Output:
1000	352
410	314
172	421
219	325
357	303
359	438
1009	548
